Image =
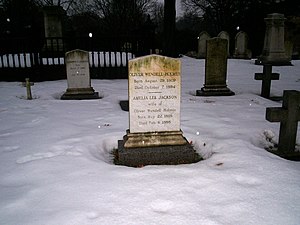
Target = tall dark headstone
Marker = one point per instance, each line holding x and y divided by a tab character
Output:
216	69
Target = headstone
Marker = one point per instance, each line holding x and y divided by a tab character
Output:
274	50
28	85
241	46
53	16
154	135
216	69
266	78
289	47
203	37
78	76
225	35
288	116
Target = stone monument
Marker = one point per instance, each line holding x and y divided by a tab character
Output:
274	50
216	69
53	16
288	116
154	135
203	37
78	76
241	50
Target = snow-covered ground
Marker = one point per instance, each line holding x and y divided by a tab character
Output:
56	167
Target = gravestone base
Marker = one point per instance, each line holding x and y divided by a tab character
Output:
215	91
155	155
80	94
293	155
150	139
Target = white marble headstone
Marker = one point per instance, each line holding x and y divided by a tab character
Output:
77	64
154	94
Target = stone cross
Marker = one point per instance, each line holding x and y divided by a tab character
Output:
288	116
266	78
28	85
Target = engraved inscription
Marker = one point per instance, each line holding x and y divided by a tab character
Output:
154	95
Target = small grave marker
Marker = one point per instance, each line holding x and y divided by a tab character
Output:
266	76
28	85
288	116
154	135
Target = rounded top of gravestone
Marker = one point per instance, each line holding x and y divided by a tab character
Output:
223	34
155	62
275	16
204	34
77	54
53	10
241	34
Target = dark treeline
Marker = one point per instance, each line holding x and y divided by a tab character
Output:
24	18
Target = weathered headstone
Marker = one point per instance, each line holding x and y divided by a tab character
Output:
274	50
225	35
289	47
78	76
241	46
154	135
53	16
202	38
266	76
216	69
288	116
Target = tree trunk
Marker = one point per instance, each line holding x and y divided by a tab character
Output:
169	47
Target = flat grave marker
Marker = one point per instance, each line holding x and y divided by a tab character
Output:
28	85
216	69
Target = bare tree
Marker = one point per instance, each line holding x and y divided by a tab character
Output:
169	48
67	5
221	14
123	17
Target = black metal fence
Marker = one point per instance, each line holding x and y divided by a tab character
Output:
43	59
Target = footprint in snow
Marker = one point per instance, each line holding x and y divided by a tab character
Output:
247	181
11	148
92	215
47	155
162	206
